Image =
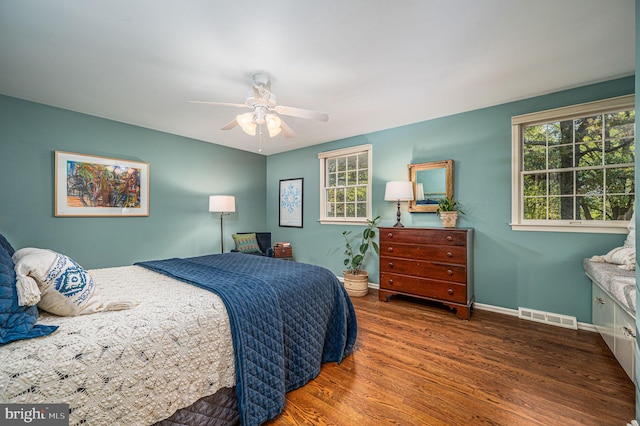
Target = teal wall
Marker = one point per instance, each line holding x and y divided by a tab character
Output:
537	270
183	173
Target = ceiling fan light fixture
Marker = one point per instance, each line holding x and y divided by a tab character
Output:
273	125
245	121
250	129
262	101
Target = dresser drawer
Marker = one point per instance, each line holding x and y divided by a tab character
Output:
424	287
428	263
409	235
449	254
426	269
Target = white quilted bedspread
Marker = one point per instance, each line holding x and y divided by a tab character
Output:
132	367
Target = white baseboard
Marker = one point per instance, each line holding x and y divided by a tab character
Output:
514	312
496	309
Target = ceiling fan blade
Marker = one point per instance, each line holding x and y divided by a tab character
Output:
286	130
230	125
302	113
220	104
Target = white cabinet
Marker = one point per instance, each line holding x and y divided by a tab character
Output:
602	312
616	326
625	340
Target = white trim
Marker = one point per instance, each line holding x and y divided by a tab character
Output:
334	221
491	308
514	312
345	151
558	114
322	156
573	111
584	228
496	309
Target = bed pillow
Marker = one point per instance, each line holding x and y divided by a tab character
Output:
624	257
631	238
16	322
246	243
66	289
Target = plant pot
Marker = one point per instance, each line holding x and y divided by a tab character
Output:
356	285
449	219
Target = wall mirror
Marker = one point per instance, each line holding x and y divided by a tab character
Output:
431	183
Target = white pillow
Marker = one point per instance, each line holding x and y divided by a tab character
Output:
631	238
624	257
65	288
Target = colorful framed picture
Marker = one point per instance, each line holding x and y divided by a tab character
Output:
290	202
87	185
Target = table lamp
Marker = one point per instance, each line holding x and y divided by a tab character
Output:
398	190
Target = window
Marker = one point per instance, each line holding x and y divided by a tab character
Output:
574	168
345	185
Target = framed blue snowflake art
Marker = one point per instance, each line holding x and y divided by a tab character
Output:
291	202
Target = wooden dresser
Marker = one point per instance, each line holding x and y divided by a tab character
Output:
429	263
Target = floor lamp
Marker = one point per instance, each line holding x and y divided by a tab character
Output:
398	190
223	204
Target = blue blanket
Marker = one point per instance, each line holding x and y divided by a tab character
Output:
287	318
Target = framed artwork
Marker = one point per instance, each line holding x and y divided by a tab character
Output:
87	185
290	202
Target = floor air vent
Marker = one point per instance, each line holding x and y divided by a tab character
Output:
548	318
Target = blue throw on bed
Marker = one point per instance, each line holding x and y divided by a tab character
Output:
287	318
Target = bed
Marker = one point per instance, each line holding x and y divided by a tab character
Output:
213	339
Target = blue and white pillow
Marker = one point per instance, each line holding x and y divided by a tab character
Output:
65	288
16	322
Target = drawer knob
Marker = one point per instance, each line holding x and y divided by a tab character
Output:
628	332
390	282
390	235
449	272
450	291
449	254
390	264
390	249
449	238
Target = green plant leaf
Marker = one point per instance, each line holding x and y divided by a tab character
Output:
355	260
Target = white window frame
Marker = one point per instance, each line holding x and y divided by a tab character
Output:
323	157
518	123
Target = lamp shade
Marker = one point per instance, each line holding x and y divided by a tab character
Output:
398	190
246	123
273	124
419	191
222	203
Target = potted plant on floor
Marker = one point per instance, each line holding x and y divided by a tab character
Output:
356	279
448	210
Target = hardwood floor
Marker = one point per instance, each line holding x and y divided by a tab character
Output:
416	363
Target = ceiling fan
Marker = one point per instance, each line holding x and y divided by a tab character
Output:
265	110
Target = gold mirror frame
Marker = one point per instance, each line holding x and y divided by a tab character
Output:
447	165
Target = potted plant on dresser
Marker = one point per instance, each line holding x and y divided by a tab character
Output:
356	279
448	210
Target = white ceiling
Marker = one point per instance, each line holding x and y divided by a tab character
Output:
370	64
